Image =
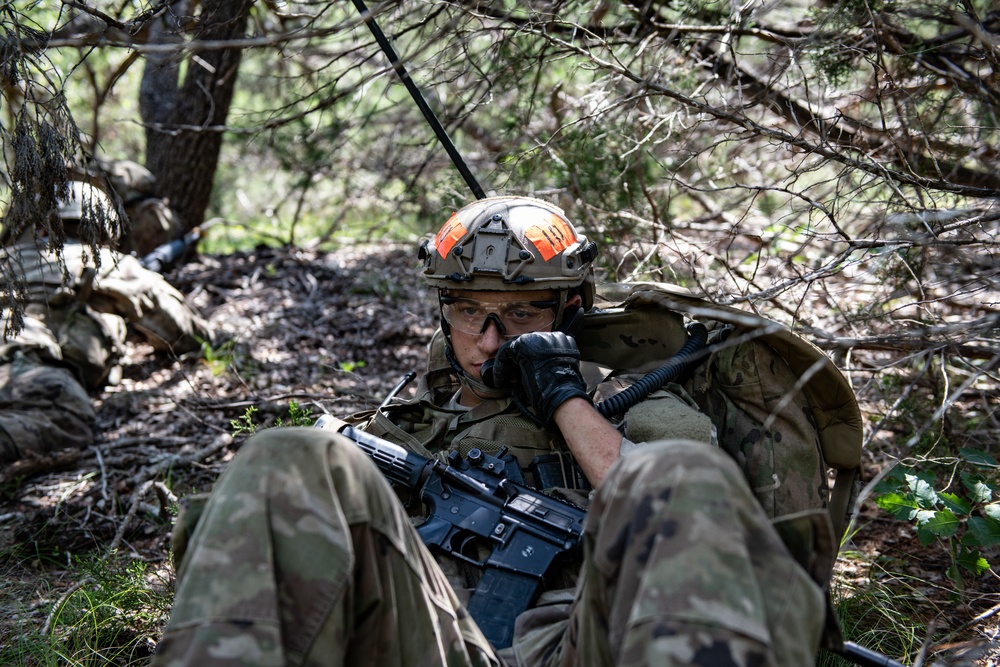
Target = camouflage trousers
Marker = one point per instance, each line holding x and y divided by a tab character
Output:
43	408
304	556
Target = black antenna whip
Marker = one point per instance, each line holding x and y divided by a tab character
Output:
415	93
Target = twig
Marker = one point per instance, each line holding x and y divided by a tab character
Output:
947	403
162	493
33	465
175	460
145	439
992	611
203	404
30	466
104	473
792	392
922	655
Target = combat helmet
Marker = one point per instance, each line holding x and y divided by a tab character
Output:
510	244
88	213
85	211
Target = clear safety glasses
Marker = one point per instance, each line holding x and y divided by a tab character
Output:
512	318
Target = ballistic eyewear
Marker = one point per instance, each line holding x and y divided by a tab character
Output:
512	319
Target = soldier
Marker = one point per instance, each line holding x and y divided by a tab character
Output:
304	555
75	326
151	220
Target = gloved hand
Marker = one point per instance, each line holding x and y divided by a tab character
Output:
542	368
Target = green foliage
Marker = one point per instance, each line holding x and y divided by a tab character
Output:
378	284
965	517
874	616
247	424
593	165
297	416
111	617
219	358
836	65
350	366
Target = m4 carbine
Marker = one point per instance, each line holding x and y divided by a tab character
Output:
478	514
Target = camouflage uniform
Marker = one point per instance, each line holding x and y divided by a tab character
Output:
305	556
73	337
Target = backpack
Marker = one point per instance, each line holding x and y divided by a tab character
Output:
781	408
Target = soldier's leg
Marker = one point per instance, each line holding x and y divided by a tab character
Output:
304	555
43	409
683	568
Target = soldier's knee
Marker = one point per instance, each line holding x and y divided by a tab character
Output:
325	457
684	467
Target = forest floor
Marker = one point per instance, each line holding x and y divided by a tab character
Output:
331	333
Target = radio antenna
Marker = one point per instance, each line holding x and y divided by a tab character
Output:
418	97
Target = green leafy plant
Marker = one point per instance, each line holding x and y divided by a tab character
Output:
220	358
246	424
350	366
965	516
297	416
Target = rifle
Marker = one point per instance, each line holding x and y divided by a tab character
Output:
163	256
475	502
865	657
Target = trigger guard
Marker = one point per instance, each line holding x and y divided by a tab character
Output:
464	545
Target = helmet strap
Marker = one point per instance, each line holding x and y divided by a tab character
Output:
477	387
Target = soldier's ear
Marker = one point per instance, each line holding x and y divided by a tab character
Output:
572	321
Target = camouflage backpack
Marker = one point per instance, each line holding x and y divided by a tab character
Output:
781	408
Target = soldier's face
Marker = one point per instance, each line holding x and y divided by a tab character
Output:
480	322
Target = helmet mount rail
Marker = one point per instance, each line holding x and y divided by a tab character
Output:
425	109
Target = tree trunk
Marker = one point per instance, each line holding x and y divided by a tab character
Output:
183	136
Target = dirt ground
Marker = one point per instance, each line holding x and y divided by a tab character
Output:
333	333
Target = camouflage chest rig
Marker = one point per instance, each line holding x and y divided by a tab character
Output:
427	425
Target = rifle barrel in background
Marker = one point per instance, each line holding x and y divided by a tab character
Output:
164	256
866	657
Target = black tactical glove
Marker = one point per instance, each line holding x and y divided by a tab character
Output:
543	368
